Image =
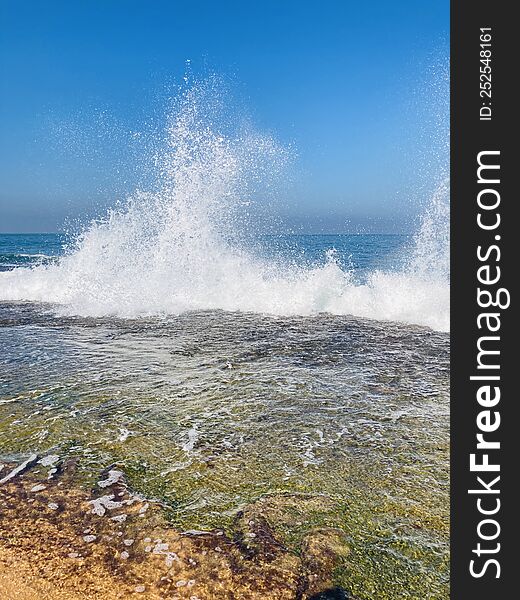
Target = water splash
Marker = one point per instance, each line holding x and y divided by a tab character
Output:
431	254
177	247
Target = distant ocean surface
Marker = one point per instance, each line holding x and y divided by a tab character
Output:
361	252
29	249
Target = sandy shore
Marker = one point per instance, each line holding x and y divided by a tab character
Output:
18	582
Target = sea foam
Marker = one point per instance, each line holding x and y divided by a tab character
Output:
175	248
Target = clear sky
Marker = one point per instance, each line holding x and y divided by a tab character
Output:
358	88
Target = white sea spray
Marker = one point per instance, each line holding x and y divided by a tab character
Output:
175	247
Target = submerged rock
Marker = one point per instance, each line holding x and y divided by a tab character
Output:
322	551
143	554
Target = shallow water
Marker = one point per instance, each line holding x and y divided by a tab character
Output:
211	410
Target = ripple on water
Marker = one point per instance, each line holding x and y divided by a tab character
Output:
209	411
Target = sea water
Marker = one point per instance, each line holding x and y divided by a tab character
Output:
216	365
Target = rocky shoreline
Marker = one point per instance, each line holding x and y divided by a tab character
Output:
59	541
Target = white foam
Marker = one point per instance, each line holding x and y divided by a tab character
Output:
172	250
193	436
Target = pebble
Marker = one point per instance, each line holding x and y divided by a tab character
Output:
124	555
171	557
139	588
49	461
119	518
123	434
114	476
53	506
128	542
104	503
89	538
38	488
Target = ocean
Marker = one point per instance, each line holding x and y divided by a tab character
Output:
306	376
211	409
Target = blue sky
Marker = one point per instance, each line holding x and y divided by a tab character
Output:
359	89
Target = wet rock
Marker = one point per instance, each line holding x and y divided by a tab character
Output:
49	461
113	476
20	468
104	503
255	536
322	551
38	487
209	563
